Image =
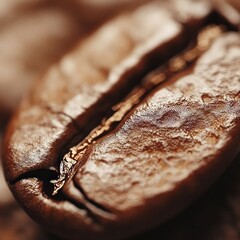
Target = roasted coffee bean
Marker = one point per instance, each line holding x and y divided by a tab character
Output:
131	126
75	98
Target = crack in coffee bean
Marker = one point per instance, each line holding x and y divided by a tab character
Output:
144	117
72	160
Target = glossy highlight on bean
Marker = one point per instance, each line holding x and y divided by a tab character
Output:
130	137
205	39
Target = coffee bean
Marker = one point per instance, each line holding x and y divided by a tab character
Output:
131	126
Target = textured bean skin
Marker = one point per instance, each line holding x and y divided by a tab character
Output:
80	99
167	150
193	124
34	35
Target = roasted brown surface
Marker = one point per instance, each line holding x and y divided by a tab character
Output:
14	223
78	96
209	118
182	130
34	34
124	183
193	122
215	216
76	104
